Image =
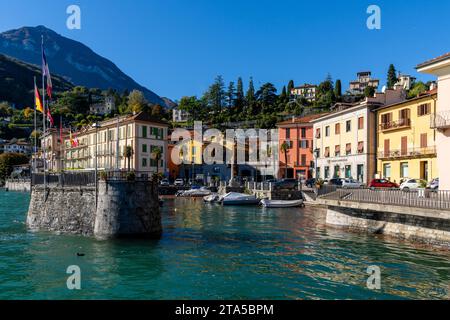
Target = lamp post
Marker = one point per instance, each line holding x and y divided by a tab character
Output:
96	126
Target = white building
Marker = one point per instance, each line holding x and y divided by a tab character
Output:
111	138
306	91
179	115
345	139
17	147
405	81
364	80
106	107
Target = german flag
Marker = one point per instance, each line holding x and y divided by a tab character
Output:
38	100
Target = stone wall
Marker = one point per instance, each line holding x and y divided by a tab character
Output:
123	209
433	230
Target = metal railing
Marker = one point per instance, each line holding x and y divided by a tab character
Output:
440	120
424	198
392	125
65	179
410	152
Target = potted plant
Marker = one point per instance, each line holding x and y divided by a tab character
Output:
422	191
131	176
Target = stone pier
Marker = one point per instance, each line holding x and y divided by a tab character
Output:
118	209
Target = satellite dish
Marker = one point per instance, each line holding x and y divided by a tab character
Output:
383	90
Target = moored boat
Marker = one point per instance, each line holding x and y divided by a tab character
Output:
213	197
202	192
238	199
281	203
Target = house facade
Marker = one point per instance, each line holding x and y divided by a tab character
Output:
298	134
306	91
364	80
345	139
111	138
406	139
54	149
440	120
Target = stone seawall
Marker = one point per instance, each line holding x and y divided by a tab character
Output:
124	209
433	229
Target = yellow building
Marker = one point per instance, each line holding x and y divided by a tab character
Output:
406	141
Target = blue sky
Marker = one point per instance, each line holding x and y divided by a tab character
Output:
177	47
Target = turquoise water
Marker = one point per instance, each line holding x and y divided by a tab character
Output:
211	252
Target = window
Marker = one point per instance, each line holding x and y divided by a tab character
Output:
387	170
348	171
337	128
360	123
303	160
303	132
327	173
337	171
327	152
144	148
424	109
348	126
288	133
423	140
404	170
404	146
348	148
144	131
337	151
386	119
318	172
318	133
403	116
327	131
361	147
360	172
144	162
304	144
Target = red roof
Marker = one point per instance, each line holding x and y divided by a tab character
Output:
300	120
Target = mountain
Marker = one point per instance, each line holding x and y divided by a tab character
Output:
169	103
73	60
16	81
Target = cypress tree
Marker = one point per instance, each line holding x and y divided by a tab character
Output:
391	77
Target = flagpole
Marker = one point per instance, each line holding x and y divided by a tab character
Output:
43	116
35	125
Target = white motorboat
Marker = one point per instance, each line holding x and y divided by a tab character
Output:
201	192
238	199
213	197
281	203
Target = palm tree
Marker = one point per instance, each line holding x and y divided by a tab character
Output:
128	153
284	149
157	155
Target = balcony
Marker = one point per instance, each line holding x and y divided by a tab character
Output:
395	125
440	120
408	153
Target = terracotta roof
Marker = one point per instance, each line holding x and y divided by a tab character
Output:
299	120
438	59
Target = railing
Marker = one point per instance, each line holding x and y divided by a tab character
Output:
440	120
439	200
126	175
410	152
393	125
66	179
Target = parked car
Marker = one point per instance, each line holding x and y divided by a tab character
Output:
179	182
412	184
335	182
287	184
164	182
351	183
434	184
310	182
382	183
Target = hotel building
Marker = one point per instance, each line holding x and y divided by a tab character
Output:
306	91
345	139
111	138
406	140
440	120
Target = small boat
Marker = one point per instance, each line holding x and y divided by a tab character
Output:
238	199
213	197
201	192
281	203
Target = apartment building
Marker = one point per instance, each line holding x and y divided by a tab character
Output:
53	144
440	120
345	139
299	137
406	139
140	133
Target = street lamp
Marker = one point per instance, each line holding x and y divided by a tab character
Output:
96	126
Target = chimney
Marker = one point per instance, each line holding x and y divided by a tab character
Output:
433	85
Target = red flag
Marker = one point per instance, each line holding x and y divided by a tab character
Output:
49	116
46	72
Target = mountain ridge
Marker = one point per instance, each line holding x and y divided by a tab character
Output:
71	59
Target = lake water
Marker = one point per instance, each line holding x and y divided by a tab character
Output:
214	252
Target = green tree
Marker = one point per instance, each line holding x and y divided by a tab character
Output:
369	91
8	160
240	99
231	95
290	86
157	155
284	149
215	96
338	89
391	77
136	101
250	98
418	88
283	95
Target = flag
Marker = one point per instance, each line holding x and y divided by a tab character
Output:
71	139
38	100
46	73
49	116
